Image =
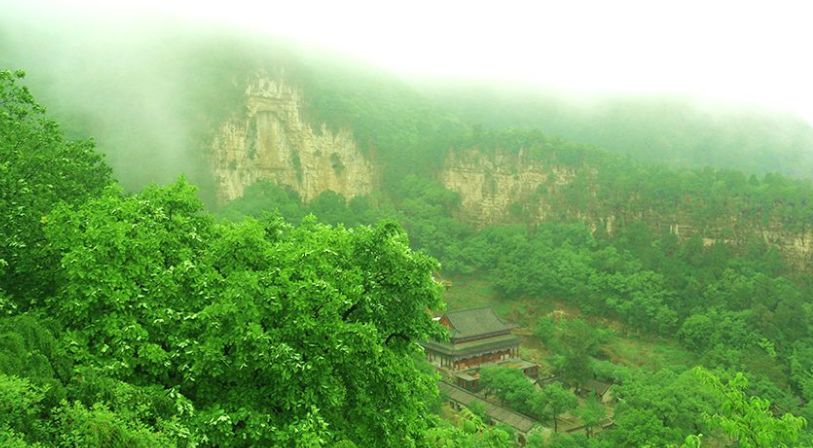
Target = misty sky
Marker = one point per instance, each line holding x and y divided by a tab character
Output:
755	52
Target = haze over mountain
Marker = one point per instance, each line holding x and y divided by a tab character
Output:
148	80
252	225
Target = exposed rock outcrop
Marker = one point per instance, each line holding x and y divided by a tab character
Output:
491	184
269	140
501	187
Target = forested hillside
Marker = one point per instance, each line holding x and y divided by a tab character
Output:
144	315
736	306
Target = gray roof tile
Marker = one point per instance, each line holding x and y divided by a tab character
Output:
475	321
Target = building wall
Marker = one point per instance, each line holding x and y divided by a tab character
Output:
474	361
448	362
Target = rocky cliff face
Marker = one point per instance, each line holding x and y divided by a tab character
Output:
270	141
495	186
502	187
798	247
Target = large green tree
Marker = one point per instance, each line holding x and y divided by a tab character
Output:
558	400
575	341
592	414
277	334
510	385
749	420
39	168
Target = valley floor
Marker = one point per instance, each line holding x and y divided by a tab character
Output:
624	347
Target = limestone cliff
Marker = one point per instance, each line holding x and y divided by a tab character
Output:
502	187
269	140
493	185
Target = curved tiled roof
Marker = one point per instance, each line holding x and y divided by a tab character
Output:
474	322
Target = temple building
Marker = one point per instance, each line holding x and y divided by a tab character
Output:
476	336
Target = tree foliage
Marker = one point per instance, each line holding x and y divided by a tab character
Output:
262	325
749	421
39	168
